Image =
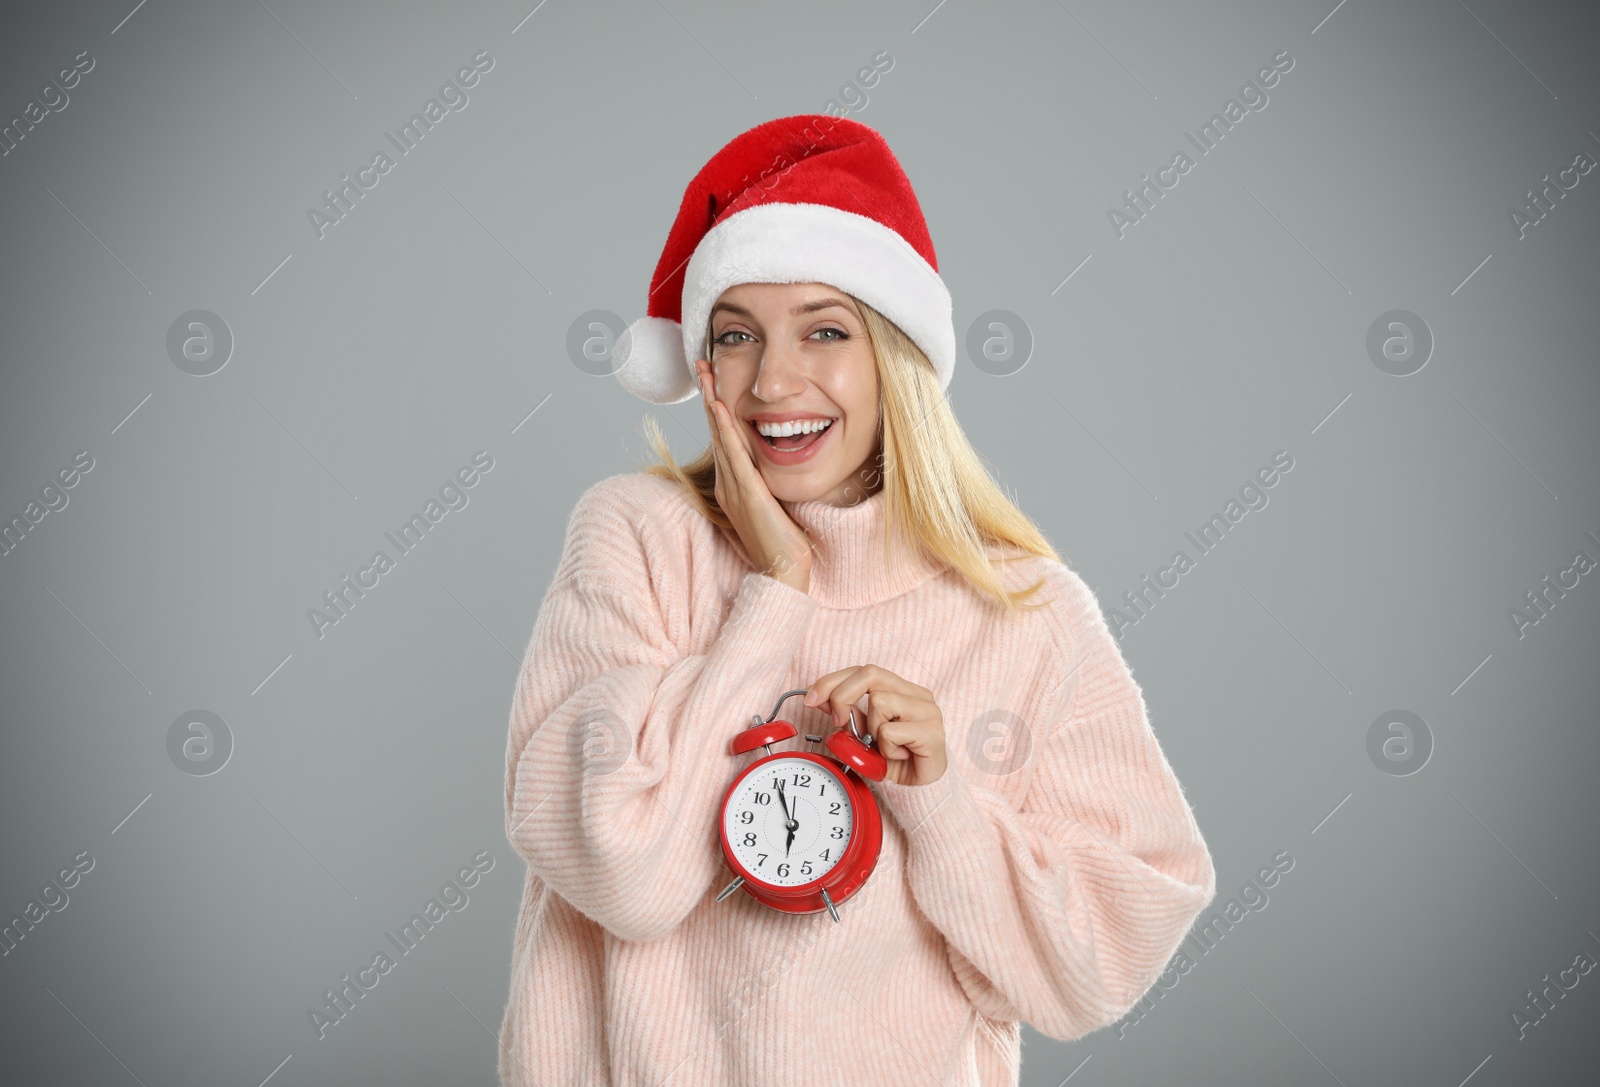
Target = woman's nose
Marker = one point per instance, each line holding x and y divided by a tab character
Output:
780	372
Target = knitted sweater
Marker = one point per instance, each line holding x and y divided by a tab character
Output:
1047	876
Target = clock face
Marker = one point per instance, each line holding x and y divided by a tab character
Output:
761	835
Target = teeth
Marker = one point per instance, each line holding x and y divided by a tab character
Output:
802	426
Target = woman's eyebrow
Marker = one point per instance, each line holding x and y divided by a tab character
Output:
804	307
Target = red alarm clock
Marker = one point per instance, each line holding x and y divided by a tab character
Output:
801	831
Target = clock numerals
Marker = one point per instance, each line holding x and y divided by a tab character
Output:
803	780
804	833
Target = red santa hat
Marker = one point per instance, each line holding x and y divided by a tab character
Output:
811	198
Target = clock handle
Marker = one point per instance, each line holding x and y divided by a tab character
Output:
865	738
857	733
854	731
782	699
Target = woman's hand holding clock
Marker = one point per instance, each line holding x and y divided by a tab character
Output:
903	719
769	535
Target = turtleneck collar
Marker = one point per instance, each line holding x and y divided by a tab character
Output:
848	569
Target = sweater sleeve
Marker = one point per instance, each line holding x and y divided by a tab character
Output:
1063	913
618	740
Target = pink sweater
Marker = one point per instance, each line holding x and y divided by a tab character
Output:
1046	877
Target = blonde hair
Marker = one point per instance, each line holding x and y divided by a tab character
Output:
940	497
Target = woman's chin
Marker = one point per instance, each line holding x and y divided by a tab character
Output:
789	489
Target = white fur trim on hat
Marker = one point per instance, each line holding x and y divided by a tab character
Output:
815	243
648	361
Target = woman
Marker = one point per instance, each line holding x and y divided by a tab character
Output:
1039	862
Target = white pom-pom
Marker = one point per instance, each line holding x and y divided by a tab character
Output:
648	361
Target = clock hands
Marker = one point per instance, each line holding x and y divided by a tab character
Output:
788	819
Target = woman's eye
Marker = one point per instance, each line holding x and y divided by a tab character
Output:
723	338
842	334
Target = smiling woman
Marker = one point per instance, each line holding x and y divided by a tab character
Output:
837	536
805	347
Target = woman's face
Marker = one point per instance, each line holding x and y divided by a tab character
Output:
785	352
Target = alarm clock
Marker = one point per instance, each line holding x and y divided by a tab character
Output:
801	831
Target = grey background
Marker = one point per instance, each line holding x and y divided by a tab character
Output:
1230	324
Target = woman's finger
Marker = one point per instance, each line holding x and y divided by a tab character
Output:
839	691
823	692
722	436
734	451
903	742
887	708
708	396
855	682
902	718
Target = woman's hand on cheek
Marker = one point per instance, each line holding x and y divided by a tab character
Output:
770	537
905	723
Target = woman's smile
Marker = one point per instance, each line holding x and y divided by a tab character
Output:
782	436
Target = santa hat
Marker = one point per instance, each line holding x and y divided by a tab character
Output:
811	198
